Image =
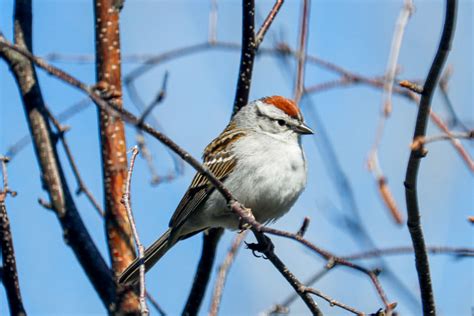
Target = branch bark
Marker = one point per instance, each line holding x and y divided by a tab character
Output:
266	247
411	194
9	271
113	147
144	311
247	55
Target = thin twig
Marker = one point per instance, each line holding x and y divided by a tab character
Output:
335	260
6	189
69	112
9	270
391	69
414	225
155	304
420	141
81	186
141	250
140	138
304	227
212	32
454	120
223	272
457	252
412	86
267	23
157	100
301	53
283	307
463	153
332	301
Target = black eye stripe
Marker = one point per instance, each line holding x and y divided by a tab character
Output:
281	122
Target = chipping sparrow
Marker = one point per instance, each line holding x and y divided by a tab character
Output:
259	159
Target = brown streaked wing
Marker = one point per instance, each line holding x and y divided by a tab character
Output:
220	161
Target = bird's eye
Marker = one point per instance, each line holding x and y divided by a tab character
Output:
281	122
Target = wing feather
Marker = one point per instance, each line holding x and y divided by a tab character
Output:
219	159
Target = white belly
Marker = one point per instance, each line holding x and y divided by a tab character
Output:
267	179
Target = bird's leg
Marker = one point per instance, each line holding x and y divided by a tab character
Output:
264	245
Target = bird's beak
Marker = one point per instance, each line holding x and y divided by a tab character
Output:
303	129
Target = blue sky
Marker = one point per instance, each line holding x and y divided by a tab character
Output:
352	34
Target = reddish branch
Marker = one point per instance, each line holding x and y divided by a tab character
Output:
414	224
113	146
9	276
61	201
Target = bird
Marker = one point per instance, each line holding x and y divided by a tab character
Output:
258	157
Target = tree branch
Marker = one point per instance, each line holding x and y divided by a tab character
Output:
113	147
266	247
267	23
301	53
9	271
414	225
247	56
141	250
81	186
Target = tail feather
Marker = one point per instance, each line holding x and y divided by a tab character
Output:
152	255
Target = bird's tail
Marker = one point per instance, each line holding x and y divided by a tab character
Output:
152	255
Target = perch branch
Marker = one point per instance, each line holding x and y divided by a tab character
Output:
266	247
